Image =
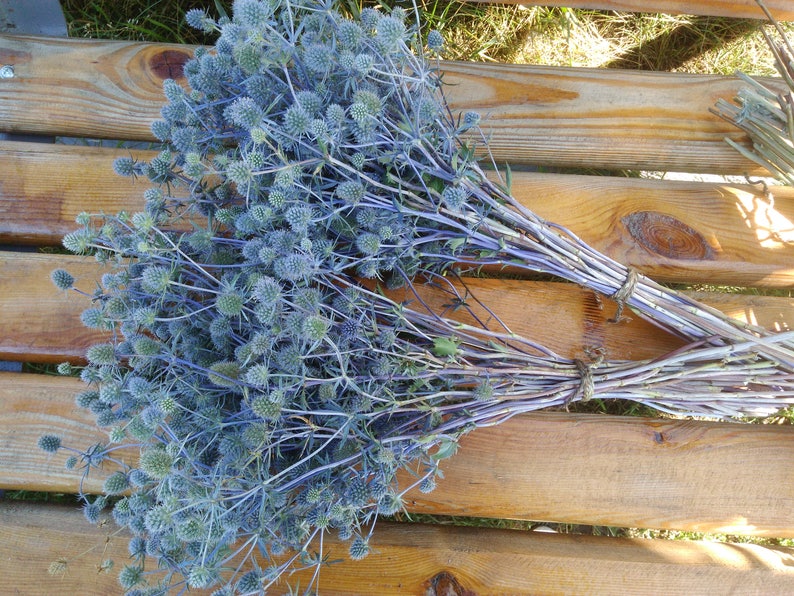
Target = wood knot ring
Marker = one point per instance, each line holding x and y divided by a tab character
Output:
667	236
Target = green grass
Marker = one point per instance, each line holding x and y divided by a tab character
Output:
139	20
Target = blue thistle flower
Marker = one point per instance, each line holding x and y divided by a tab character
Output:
249	57
253	13
62	279
435	41
201	576
267	290
335	115
310	102
198	19
239	172
102	354
350	35
137	547
350	192
156	462
49	443
297	121
116	483
294	267
125	166
369	17
84	399
92	511
250	582
230	304
428	484
389	32
315	328
155	279
138	478
131	575
359	548
471	119
454	197
299	217
258	375
318	58
368	243
79	242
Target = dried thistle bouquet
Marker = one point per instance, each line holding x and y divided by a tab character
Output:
257	357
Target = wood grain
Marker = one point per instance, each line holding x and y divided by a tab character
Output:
551	466
674	231
781	9
85	88
43	187
736	235
42	324
532	114
422	560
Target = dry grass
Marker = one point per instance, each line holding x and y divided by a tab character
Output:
497	33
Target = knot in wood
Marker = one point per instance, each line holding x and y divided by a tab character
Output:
667	236
445	584
169	64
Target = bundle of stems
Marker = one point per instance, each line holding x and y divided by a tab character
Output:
390	148
766	113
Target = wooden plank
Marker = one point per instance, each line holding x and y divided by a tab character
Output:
43	187
420	559
532	114
81	87
612	119
781	9
673	231
552	466
42	324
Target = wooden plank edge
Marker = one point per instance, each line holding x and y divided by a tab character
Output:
532	114
421	559
689	475
673	231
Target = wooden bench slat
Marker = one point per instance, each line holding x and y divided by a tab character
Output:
45	186
422	559
599	118
42	324
671	230
552	466
532	114
781	9
674	231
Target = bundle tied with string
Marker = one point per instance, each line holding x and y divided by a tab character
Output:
273	383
